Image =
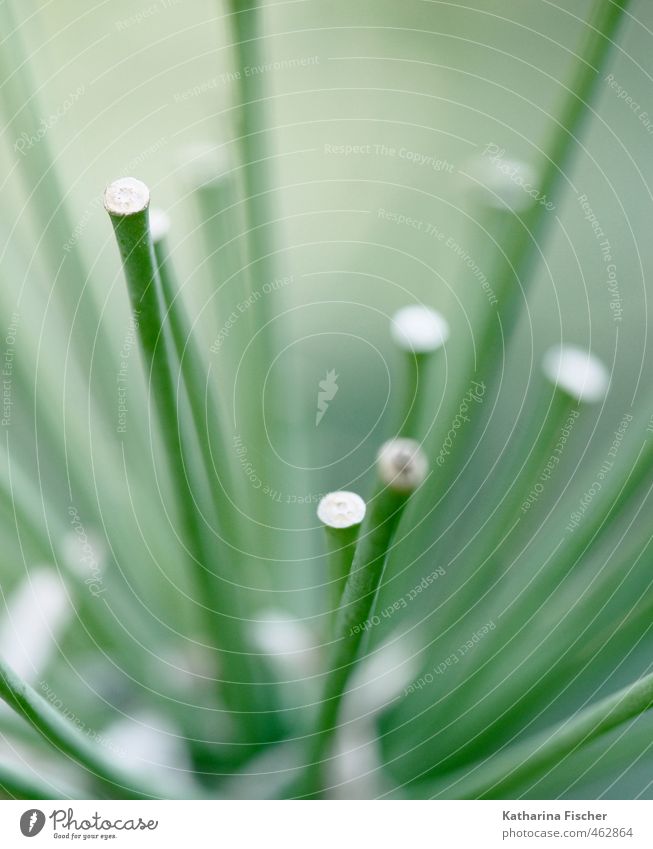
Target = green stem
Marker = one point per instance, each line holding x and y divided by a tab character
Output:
203	402
16	785
253	141
617	494
517	484
525	239
36	165
355	607
248	684
415	368
569	620
509	770
69	740
341	546
252	129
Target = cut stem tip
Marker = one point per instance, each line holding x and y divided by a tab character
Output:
126	196
341	510
402	465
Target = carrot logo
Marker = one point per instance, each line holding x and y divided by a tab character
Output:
327	392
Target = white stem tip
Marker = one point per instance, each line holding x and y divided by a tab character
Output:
341	510
126	196
576	372
402	465
159	224
419	329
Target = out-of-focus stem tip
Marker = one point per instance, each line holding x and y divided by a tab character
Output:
402	465
419	329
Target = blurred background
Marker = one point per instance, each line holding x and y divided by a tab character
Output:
379	114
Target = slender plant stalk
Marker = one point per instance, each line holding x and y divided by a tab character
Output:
253	143
573	616
200	392
516	483
619	492
16	785
48	205
524	239
70	741
251	127
205	411
501	774
415	367
342	514
223	229
615	498
402	468
249	687
418	332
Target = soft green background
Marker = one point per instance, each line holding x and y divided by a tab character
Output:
437	78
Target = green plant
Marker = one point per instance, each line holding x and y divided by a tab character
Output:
242	685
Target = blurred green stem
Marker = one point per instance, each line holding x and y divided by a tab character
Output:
248	685
523	236
68	740
48	205
500	775
204	404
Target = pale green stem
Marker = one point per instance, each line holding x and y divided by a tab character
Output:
512	769
68	740
356	604
248	688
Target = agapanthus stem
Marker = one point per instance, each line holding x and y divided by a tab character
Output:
402	468
201	396
49	205
515	766
16	785
248	688
418	332
520	240
68	740
341	513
